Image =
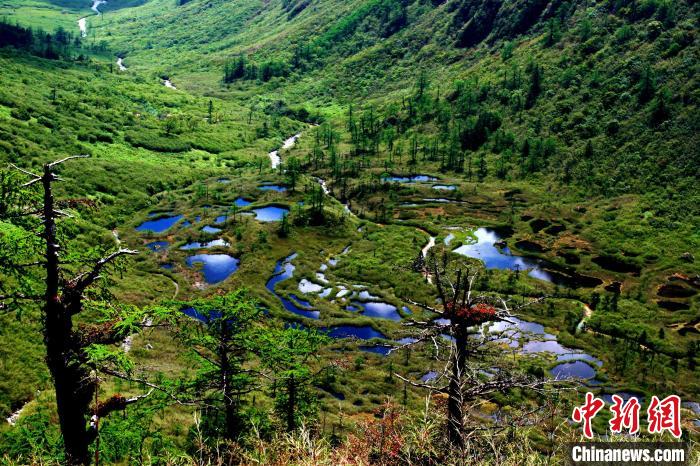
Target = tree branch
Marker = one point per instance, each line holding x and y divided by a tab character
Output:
57	162
33	175
82	281
146	383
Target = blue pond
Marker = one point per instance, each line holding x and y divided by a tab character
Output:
379	310
210	244
410	179
220	219
241	202
167	266
432	375
158	246
215	267
284	269
210	229
270	213
159	225
444	187
502	259
348	331
571	370
485	250
378	349
492	257
272	187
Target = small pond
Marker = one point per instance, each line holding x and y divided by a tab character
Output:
211	229
215	267
493	257
270	213
272	187
241	202
378	310
284	269
377	349
444	187
409	179
571	370
365	332
210	244
159	225
306	287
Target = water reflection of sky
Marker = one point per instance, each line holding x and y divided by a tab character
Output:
501	258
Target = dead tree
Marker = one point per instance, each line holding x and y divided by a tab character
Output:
461	320
74	375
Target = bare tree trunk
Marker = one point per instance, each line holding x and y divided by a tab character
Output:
66	357
74	390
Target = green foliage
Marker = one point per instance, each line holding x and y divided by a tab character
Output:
287	353
222	338
36	438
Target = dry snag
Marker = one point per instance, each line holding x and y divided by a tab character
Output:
462	318
67	358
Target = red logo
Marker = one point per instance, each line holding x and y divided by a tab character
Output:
587	412
662	415
625	415
665	415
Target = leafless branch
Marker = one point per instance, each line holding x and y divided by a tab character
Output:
24	171
57	162
82	281
420	384
128	378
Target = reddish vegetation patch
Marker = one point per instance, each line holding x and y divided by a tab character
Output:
474	315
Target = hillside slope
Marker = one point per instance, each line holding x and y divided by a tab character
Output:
620	75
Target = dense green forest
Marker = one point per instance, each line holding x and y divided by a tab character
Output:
343	232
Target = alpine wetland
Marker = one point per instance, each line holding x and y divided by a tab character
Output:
349	232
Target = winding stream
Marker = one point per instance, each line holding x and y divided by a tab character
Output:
275	159
82	22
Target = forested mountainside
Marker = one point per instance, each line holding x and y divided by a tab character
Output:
618	79
303	165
